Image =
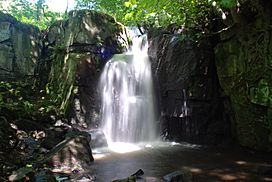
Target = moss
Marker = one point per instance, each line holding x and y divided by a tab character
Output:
62	79
63	75
261	94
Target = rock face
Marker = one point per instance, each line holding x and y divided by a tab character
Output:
20	48
78	48
189	95
244	62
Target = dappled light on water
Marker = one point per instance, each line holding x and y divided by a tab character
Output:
158	159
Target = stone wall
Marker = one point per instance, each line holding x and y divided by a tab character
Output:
20	48
244	68
190	98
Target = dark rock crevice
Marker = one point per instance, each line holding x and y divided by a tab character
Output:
193	107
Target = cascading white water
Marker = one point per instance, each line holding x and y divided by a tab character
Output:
126	90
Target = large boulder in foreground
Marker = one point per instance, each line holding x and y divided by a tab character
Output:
20	48
78	47
73	154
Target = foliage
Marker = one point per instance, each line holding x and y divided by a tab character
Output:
37	13
25	100
189	14
22	108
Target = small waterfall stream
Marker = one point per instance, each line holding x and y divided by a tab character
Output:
126	89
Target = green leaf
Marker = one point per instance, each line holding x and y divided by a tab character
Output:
127	4
128	16
228	3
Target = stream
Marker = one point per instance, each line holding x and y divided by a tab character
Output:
203	163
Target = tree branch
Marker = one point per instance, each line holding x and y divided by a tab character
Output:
223	30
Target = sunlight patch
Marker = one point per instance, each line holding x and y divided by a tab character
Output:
121	147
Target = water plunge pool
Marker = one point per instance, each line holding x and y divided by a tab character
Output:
158	159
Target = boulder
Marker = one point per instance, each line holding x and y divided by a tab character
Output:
78	47
98	139
85	29
179	176
73	154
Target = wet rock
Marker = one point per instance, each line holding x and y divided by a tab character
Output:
73	154
84	178
138	173
178	176
98	139
132	178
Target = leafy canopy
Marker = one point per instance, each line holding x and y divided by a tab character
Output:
184	13
35	13
187	13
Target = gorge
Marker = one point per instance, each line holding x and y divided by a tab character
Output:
210	99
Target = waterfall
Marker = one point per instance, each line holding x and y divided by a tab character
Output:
126	89
185	110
